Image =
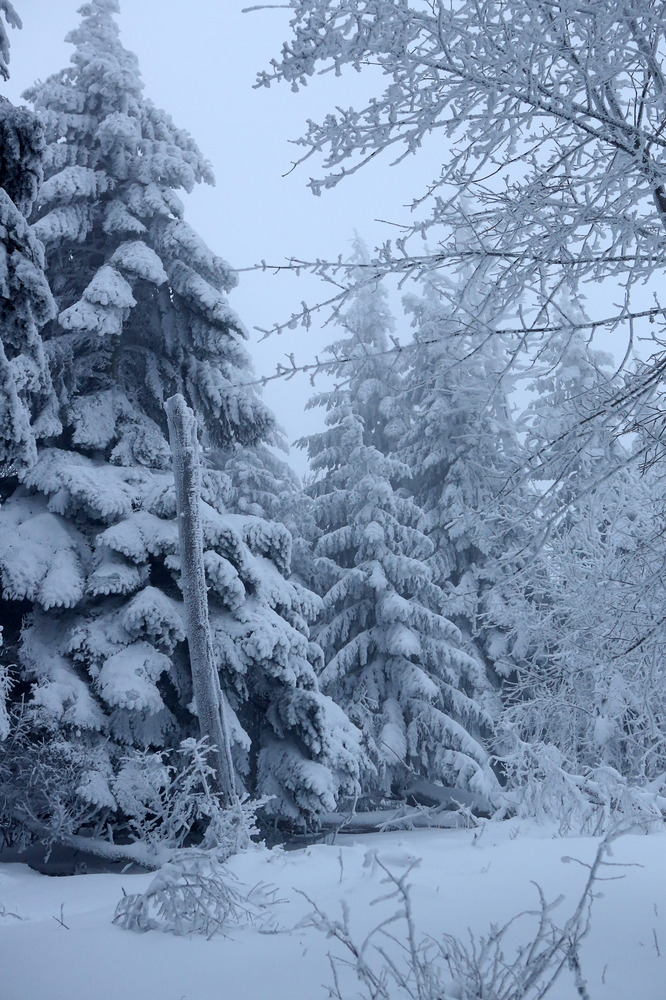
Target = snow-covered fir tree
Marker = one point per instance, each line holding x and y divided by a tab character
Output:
89	546
394	660
28	408
571	434
462	448
263	484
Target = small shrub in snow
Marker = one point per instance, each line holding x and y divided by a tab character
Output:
50	788
39	777
165	803
196	894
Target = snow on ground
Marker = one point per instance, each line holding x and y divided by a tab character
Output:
465	879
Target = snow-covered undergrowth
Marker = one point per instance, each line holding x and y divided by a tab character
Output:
57	939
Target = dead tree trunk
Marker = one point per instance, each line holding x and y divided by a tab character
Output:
208	696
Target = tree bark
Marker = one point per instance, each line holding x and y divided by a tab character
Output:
208	695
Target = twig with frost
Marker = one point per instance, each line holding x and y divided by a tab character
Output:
410	967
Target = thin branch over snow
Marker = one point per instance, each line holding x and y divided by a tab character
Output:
393	963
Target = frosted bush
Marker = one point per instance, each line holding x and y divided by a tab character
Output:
544	783
39	777
52	789
196	894
167	804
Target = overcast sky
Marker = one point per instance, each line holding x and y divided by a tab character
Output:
199	61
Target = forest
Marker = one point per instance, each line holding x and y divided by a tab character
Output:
453	625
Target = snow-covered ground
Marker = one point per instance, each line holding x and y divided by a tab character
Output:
57	941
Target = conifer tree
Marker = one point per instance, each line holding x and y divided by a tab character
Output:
264	485
571	433
394	660
462	448
91	541
28	408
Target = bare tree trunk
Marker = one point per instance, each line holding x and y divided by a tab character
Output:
208	696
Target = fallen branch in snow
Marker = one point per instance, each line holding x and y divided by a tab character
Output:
61	919
401	817
389	967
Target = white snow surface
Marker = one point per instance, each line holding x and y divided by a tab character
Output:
465	879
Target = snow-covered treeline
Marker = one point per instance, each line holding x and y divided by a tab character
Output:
463	603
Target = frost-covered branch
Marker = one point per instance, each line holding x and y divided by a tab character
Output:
552	117
14	21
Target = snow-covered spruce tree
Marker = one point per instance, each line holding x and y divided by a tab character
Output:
264	485
394	660
462	448
28	408
90	546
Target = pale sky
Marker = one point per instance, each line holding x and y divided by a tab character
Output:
199	61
